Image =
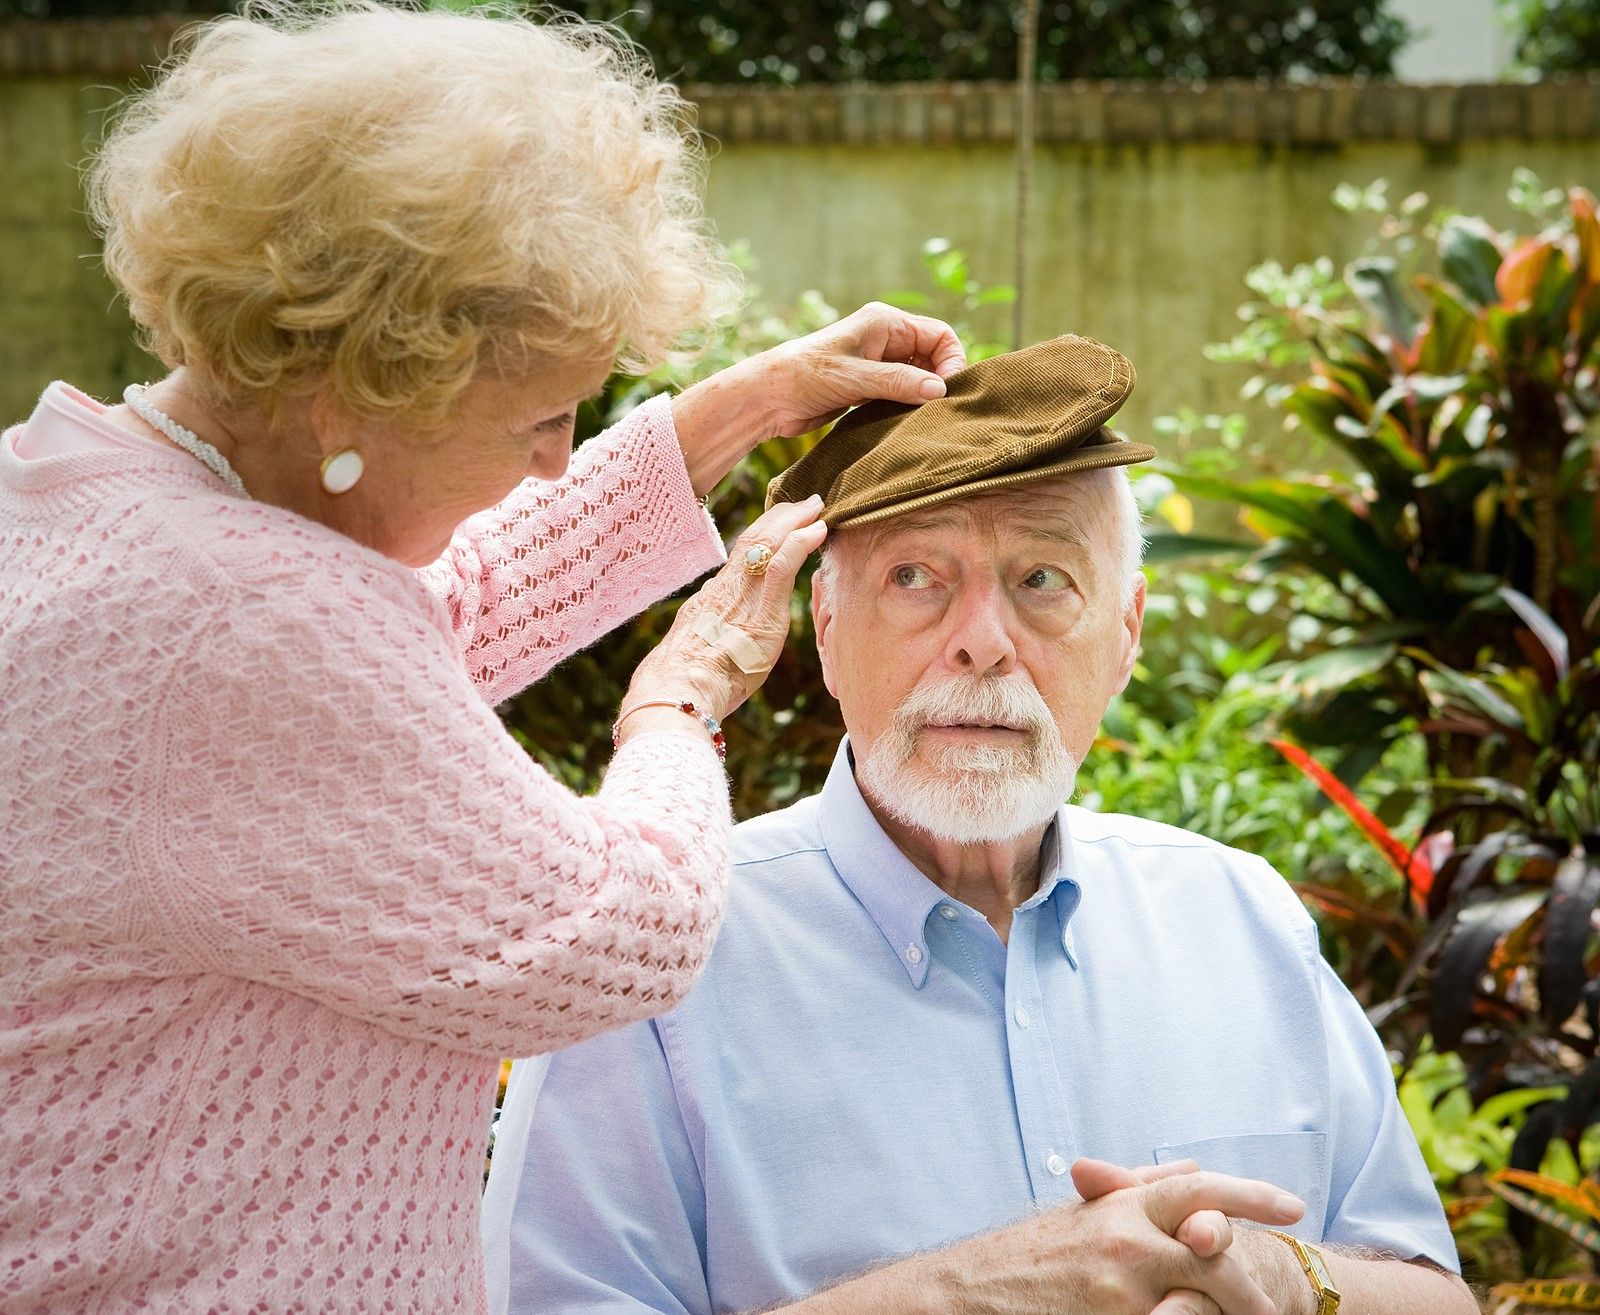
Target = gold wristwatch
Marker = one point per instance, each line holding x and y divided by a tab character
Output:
1316	1270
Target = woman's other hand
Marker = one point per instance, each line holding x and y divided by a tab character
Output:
796	387
727	637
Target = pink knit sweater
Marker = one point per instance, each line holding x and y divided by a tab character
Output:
276	889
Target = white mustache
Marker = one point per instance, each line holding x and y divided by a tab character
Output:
1011	702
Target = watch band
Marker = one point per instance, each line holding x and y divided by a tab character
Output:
1316	1270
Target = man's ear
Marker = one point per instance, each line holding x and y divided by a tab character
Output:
1132	630
822	608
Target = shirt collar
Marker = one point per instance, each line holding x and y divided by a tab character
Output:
896	895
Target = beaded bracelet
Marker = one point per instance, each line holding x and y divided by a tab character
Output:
719	741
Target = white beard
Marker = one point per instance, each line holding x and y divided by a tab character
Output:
970	794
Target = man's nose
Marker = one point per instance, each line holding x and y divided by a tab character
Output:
979	641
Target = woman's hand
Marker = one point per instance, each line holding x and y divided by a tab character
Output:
727	637
877	352
793	388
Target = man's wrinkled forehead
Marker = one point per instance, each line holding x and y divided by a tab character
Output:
1057	511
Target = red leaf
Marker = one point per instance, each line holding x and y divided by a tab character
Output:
1587	228
1414	866
1520	272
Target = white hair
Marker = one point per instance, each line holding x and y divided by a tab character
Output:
970	793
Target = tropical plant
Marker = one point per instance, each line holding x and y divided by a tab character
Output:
1572	1210
1455	371
1498	944
1464	398
1459	1140
1464	1144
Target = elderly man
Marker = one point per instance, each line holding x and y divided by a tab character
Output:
944	1007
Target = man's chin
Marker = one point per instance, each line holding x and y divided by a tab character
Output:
970	805
952	765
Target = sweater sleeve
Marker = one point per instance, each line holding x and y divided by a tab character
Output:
555	566
339	814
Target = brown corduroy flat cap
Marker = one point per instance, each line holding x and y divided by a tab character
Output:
1035	414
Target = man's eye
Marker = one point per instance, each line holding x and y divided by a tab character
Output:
912	577
1047	578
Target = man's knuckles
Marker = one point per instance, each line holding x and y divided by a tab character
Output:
1113	1290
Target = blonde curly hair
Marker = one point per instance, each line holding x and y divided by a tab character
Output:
388	201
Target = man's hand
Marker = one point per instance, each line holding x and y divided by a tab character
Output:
1206	1233
1118	1253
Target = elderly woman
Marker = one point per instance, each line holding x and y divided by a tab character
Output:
278	889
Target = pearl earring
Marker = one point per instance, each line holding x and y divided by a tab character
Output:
342	470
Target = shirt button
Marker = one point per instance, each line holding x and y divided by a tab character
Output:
947	913
1021	1015
913	954
1056	1164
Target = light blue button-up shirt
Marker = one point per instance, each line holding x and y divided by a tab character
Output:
866	1071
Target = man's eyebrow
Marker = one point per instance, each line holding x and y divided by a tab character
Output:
1059	532
902	526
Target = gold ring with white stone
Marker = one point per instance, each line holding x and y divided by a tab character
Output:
757	557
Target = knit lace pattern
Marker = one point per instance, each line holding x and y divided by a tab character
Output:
276	888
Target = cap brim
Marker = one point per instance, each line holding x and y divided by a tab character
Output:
1100	457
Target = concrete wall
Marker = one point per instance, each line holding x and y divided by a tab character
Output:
1148	203
59	318
1142	246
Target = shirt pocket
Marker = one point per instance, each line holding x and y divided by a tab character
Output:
1294	1161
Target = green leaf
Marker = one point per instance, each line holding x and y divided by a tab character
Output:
1327	528
906	299
1377	287
1470	255
1435	387
1476	430
1510	334
1501	1108
999	295
1335	669
1319	408
948	270
1444	684
1450	334
1545	630
1558	287
1164	546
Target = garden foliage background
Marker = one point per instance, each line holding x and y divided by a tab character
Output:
1415	598
1372	651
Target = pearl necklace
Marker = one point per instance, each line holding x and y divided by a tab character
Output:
187	439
